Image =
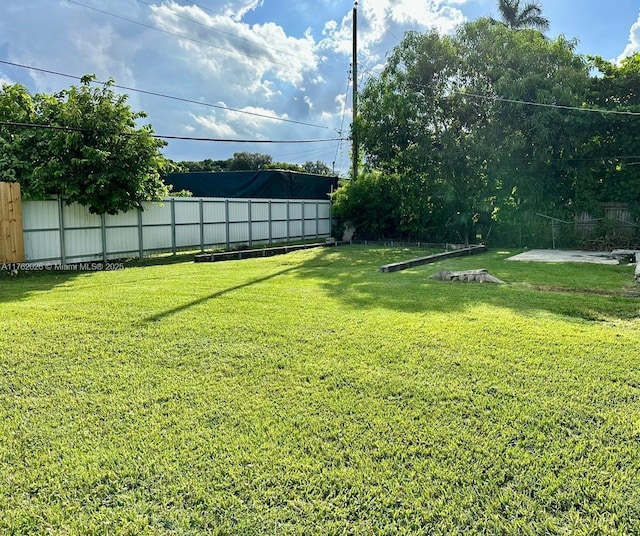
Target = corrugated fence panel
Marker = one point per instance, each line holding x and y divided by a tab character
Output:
78	216
260	231
238	232
182	223
42	246
188	236
41	227
295	230
154	214
122	241
295	210
279	210
157	238
122	219
37	215
215	234
214	211
324	211
238	211
279	231
187	211
260	211
85	244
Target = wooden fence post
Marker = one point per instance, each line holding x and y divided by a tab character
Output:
11	236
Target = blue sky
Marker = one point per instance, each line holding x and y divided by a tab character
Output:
284	63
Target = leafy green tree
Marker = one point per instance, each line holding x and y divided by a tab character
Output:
532	140
17	106
318	167
450	116
248	161
518	16
92	153
611	170
203	165
283	166
369	204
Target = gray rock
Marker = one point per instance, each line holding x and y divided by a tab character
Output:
480	276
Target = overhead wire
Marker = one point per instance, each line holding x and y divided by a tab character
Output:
417	89
181	36
344	113
547	105
181	99
160	136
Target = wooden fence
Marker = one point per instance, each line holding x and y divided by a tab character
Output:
11	238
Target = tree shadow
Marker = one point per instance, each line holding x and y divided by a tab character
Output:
21	286
351	275
179	308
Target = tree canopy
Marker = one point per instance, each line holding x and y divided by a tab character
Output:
488	125
251	161
87	147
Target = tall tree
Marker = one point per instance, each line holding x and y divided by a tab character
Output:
449	117
88	149
612	147
248	161
517	16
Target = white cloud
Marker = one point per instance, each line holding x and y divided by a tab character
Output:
231	124
634	41
384	21
283	66
245	54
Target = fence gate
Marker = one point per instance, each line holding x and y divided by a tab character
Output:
11	239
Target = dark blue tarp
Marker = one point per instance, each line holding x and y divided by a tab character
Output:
269	184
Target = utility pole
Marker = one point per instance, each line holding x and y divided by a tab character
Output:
354	150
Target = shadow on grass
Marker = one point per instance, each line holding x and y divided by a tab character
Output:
351	275
178	309
19	287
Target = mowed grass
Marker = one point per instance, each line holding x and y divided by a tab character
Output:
310	394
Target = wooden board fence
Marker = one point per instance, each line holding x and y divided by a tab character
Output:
11	238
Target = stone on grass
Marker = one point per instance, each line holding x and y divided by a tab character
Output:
479	276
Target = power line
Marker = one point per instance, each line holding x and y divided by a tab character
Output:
344	113
181	36
417	89
160	136
181	99
557	106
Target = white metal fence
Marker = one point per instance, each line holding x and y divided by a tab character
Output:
56	233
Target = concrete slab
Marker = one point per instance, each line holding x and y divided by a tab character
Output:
558	255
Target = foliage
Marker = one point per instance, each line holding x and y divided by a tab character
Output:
611	149
318	168
252	161
95	154
248	161
284	166
311	394
517	16
369	204
442	116
202	165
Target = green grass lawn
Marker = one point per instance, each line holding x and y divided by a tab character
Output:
310	394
